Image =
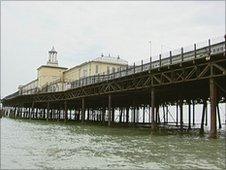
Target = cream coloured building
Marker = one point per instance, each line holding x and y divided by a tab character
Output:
101	65
51	77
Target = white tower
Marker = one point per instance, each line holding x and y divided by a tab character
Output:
52	58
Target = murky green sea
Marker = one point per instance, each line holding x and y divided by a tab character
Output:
29	144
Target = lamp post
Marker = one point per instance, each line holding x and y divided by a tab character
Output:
150	51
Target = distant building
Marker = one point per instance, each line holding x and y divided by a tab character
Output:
60	78
101	65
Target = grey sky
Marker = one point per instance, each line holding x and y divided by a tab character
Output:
81	31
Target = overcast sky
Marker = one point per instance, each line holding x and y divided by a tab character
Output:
81	31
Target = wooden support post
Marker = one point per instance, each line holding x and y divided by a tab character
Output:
36	113
213	104
134	115
177	114
109	110
75	115
219	117
120	115
44	113
206	115
193	113
65	111
167	115
32	113
88	114
32	109
47	114
103	114
70	114
181	115
97	115
51	114
164	114
83	110
138	115
203	116
58	114
157	115
14	113
18	112
113	114
143	114
78	114
92	115
189	116
153	123
23	113
29	112
127	114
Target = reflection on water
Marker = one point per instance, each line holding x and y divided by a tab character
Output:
40	144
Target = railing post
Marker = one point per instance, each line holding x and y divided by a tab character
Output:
182	54
160	60
209	45
150	62
134	71
195	50
141	65
127	70
170	57
120	72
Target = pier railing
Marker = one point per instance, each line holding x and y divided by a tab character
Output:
195	51
199	50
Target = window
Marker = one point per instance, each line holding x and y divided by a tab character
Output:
79	73
84	73
113	69
96	69
108	70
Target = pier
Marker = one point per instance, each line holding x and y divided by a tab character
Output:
140	94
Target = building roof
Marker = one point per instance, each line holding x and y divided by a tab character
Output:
62	68
33	81
112	60
102	59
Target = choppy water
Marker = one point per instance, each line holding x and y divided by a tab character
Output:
40	145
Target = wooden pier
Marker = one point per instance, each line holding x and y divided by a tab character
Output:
189	78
